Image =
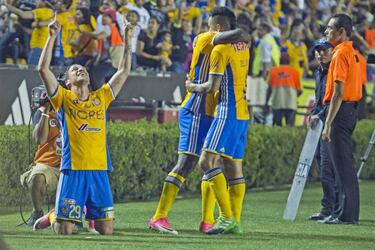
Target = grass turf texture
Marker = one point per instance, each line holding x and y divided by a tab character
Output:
262	222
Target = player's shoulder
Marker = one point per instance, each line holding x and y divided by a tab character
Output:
209	35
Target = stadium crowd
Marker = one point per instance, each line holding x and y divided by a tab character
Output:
165	30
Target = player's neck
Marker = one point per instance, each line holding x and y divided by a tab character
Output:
82	92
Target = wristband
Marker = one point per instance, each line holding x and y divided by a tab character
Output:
43	114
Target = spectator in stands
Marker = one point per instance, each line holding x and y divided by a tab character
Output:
297	49
3	20
20	29
266	55
109	55
85	48
283	90
133	18
144	15
153	8
63	55
39	33
147	52
165	50
182	39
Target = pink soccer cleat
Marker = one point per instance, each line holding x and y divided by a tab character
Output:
205	227
43	222
162	225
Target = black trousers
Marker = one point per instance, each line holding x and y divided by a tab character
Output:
329	180
289	114
340	151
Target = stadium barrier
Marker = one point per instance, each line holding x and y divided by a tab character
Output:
144	152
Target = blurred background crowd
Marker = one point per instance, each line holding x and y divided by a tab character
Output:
165	30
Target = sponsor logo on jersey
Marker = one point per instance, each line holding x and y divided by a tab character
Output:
85	127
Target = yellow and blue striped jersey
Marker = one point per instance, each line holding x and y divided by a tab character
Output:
232	62
83	127
199	68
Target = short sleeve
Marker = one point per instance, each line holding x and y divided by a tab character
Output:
57	97
107	93
341	68
217	62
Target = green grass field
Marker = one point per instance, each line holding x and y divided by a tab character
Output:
262	222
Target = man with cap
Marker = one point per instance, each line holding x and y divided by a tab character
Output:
323	54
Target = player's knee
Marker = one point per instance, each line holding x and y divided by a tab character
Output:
63	227
204	163
38	181
106	230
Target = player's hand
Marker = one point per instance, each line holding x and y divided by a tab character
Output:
128	28
189	85
54	27
312	121
326	134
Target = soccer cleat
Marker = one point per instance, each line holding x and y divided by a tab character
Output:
35	215
91	227
162	225
223	226
43	222
237	229
205	227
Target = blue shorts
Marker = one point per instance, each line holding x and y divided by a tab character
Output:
227	138
193	131
78	188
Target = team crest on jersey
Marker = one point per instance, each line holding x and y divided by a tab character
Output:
65	210
53	122
96	102
75	101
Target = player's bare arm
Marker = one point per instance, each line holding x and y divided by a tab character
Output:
119	78
48	78
211	86
334	107
231	36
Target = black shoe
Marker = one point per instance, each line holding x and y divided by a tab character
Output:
318	216
33	217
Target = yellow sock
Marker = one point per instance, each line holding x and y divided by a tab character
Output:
218	184
237	194
208	203
172	185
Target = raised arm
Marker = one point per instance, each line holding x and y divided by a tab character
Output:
236	35
48	78
119	78
18	12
